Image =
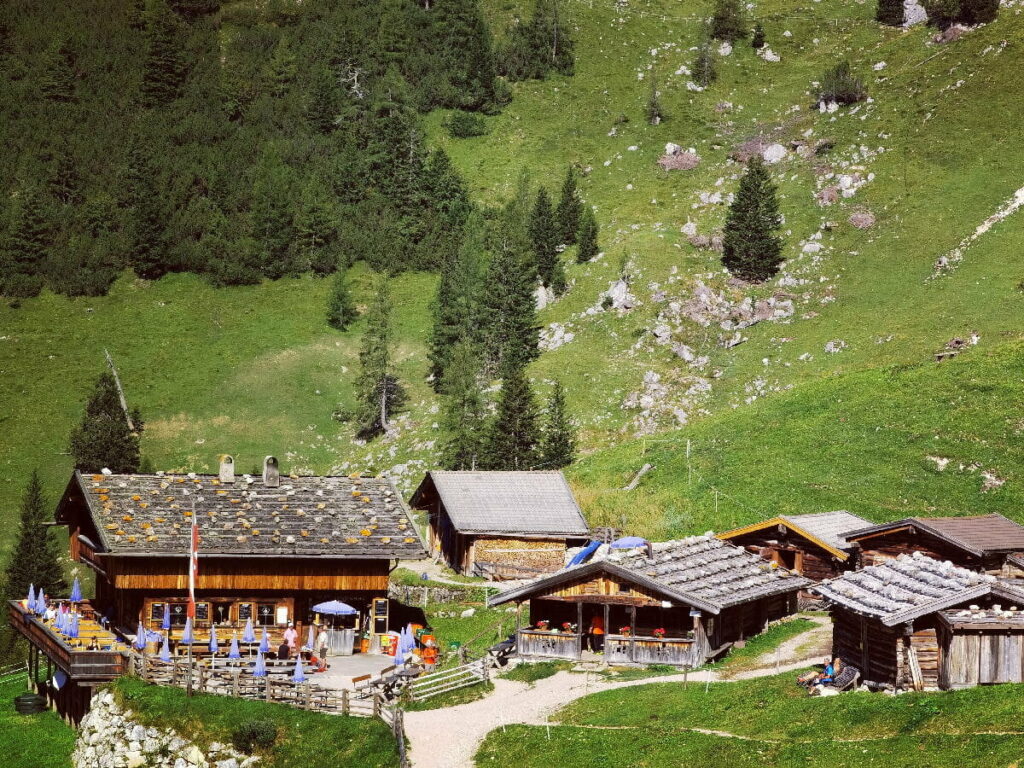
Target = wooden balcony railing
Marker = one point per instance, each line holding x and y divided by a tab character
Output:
675	651
77	663
535	643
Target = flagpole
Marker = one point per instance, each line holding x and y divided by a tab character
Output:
193	567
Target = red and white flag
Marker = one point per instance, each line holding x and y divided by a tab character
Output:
193	568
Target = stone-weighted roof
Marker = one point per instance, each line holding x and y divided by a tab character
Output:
702	571
909	586
343	517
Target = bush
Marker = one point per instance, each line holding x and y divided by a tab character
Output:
758	40
942	14
254	734
462	125
978	11
727	23
840	85
890	12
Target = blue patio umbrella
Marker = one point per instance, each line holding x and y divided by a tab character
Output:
186	635
166	623
40	603
234	653
76	591
165	650
140	638
265	642
73	628
59	623
311	639
213	639
260	669
248	636
298	675
30	603
335	608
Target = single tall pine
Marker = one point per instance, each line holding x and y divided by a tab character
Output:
544	236
558	444
57	82
35	558
514	434
570	207
103	439
378	390
654	113
341	308
464	414
588	247
704	73
164	70
316	233
727	23
25	247
751	248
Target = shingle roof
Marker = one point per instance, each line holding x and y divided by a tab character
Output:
830	527
344	517
976	534
909	586
702	571
530	503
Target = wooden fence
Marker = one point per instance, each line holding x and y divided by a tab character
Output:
428	686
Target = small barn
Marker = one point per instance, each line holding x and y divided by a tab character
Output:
678	602
917	622
502	525
813	545
980	543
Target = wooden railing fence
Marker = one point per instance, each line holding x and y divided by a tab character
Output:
428	686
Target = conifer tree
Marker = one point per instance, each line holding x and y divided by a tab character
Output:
164	69
341	307
890	12
446	190
728	23
281	68
378	390
513	434
316	234
544	236
654	113
322	108
558	443
552	43
145	194
57	82
567	214
466	52
455	308
704	73
103	439
65	184
974	12
758	40
464	415
588	247
35	558
273	224
25	247
751	248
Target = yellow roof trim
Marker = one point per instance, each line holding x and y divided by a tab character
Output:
794	528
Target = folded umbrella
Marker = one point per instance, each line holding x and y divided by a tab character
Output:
298	675
30	602
165	650
140	638
260	670
265	642
76	591
213	639
234	653
166	623
248	636
186	635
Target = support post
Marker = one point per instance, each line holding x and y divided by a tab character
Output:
632	633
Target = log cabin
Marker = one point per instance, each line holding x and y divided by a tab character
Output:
813	545
500	524
989	543
914	622
679	602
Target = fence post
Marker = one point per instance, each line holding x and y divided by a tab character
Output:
202	679
269	697
376	705
234	683
344	701
309	696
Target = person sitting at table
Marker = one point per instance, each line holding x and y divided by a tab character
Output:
282	651
94	645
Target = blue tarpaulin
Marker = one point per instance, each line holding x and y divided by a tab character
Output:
583	555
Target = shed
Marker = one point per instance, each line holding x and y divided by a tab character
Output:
704	593
978	542
500	524
813	545
887	617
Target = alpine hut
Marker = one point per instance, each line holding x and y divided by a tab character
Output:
915	622
813	545
500	524
674	602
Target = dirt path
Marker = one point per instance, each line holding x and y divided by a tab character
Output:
449	737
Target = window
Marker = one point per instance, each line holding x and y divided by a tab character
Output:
178	612
265	614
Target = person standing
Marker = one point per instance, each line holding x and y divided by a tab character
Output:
291	637
597	633
321	647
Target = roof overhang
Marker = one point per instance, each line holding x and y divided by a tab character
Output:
920	524
837	553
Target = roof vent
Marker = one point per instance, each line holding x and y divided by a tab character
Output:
271	472
227	469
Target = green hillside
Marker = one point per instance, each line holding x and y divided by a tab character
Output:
775	423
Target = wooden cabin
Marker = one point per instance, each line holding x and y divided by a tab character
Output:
813	545
913	622
980	543
501	525
704	593
270	547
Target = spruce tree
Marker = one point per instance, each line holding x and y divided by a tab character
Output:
570	207
281	68
322	107
588	247
57	82
378	390
316	233
544	236
513	434
974	12
704	72
273	224
25	247
558	443
466	52
164	70
35	558
341	307
455	308
758	40
145	195
464	414
64	182
751	248
654	113
103	439
551	40
727	23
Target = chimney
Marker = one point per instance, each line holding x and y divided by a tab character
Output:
271	472
227	469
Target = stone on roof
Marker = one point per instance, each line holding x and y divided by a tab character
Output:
345	517
529	503
829	527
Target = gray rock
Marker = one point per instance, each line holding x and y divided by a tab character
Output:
469	612
134	759
229	763
138	733
180	763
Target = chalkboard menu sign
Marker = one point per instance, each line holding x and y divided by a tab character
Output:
244	611
156	613
380	607
202	611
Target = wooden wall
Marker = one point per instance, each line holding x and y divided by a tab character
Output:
975	657
607	587
889	546
742	621
868	645
790	550
545	555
